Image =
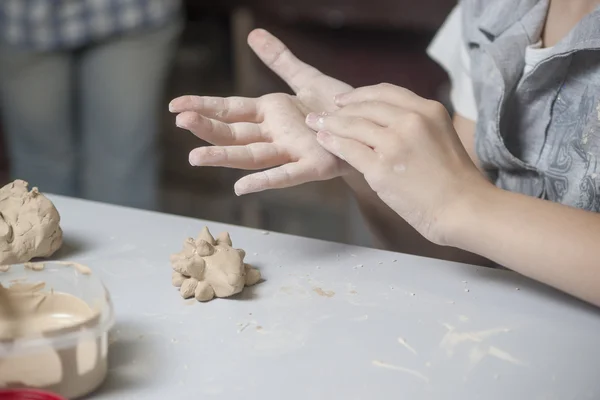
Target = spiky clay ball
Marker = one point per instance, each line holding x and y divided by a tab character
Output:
208	268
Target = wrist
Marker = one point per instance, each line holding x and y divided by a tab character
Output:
356	181
465	217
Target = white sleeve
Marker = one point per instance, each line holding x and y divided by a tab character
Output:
449	50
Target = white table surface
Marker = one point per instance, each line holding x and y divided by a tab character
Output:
395	326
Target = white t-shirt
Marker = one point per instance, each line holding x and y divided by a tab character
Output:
449	50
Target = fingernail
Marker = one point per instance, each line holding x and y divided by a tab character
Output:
181	121
193	159
240	190
339	99
316	120
171	107
312	118
323	136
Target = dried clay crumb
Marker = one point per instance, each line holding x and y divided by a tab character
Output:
35	266
323	293
209	267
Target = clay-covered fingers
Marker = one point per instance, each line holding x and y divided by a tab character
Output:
281	60
225	109
251	157
358	155
284	176
220	133
349	126
383	92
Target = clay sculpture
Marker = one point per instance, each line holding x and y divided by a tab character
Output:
29	224
208	268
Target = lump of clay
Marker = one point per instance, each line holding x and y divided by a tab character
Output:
29	224
208	268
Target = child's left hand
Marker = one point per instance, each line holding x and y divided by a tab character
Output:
408	151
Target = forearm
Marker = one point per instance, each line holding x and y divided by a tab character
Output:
549	242
393	233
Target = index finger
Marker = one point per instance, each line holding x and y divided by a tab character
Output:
281	60
224	109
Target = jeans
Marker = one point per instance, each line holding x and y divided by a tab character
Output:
85	122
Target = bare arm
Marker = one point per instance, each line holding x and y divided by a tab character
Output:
465	128
546	241
392	232
237	125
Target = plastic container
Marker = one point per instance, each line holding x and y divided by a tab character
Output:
71	360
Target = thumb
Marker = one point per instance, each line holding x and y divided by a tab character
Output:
281	60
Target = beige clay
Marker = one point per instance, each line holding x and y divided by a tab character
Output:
208	268
29	224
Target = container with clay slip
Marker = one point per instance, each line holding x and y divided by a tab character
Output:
60	340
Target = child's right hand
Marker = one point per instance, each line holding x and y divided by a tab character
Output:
267	132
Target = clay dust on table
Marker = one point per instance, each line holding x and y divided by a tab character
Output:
209	267
324	293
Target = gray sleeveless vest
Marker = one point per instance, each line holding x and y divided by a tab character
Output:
537	134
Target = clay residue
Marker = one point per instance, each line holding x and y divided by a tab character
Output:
321	292
453	338
403	342
34	266
416	374
26	287
478	353
208	268
82	269
29	224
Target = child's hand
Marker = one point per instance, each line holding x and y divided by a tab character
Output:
269	131
407	149
253	134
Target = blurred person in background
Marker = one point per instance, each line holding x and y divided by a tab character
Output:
81	87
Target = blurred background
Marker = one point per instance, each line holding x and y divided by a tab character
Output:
360	42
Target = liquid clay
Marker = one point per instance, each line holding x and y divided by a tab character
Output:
73	370
208	268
